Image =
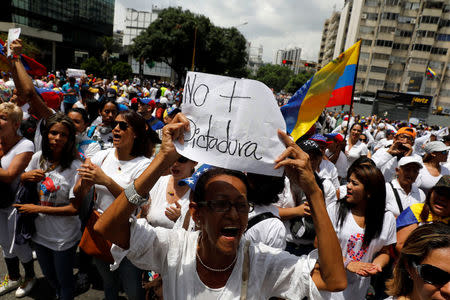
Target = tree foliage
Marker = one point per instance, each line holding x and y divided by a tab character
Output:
274	76
171	37
297	81
92	66
122	70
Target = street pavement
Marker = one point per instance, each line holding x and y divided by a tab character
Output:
42	290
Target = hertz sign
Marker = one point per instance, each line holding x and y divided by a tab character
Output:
420	100
412	101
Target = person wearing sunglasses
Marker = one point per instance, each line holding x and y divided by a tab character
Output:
423	268
435	209
110	171
435	154
168	200
210	263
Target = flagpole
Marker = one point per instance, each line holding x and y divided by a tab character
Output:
353	94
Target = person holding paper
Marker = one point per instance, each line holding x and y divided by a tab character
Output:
215	262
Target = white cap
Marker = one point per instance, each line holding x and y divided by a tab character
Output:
381	125
344	124
409	160
164	100
435	146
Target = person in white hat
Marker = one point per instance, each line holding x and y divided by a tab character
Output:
380	133
402	192
435	153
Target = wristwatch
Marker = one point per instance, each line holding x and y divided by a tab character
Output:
133	197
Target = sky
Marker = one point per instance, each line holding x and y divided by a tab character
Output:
275	25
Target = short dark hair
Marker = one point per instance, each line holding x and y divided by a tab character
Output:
70	151
106	101
264	189
82	112
137	122
199	193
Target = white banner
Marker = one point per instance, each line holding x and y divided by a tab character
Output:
233	123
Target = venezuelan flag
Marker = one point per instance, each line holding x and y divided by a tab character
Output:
31	66
334	83
431	73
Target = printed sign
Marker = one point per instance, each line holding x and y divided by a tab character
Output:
13	34
233	123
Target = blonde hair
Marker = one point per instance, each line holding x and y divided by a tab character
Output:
418	246
13	111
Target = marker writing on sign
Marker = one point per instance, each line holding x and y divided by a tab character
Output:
233	96
232	147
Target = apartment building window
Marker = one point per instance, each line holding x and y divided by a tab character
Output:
397	59
411	5
394	73
372	3
366	29
444	23
427	91
376	82
389	16
439	51
377	69
403	33
360	80
415	74
386	29
391	2
390	86
372	16
399	46
418	61
384	43
362	68
443	37
436	65
446	8
405	20
364	55
366	43
433	4
380	56
429	19
425	33
422	47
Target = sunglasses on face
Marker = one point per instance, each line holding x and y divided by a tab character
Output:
122	125
182	159
363	140
225	206
432	275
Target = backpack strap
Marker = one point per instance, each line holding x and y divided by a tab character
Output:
397	197
261	217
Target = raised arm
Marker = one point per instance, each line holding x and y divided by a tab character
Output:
24	84
114	222
331	275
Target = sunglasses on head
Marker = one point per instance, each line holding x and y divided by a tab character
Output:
122	125
182	159
432	275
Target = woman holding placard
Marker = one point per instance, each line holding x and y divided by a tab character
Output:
215	262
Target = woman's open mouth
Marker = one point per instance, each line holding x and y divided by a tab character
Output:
230	232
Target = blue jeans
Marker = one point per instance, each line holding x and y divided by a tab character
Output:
127	275
57	267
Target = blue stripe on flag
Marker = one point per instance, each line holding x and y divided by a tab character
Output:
291	109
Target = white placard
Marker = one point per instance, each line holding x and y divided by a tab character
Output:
77	73
233	123
13	34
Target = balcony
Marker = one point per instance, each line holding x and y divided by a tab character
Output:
417	68
427	26
390	23
380	62
383	50
434	12
420	54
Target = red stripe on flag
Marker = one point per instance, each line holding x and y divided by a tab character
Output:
341	96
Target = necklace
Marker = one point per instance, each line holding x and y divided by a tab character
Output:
215	270
171	193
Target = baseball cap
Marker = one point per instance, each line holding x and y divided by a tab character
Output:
148	101
309	146
444	181
111	93
318	138
164	100
435	146
192	181
409	160
334	136
381	125
408	131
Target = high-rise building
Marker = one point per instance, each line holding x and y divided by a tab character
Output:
400	40
255	54
65	31
135	23
329	34
290	58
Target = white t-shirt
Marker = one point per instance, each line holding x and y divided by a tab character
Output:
172	253
122	172
359	149
341	163
329	171
87	146
270	232
58	233
350	237
156	214
23	145
425	181
78	104
416	195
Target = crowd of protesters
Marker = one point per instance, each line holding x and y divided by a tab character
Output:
362	211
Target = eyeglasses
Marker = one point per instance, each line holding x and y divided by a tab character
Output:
363	140
432	275
182	159
225	206
122	125
445	152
